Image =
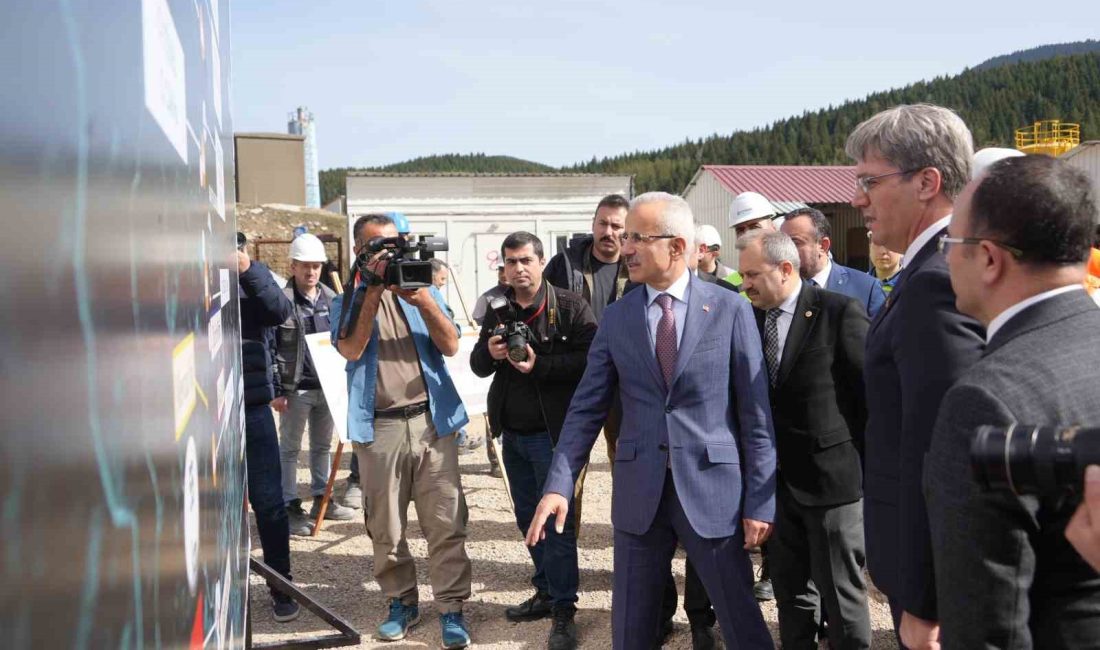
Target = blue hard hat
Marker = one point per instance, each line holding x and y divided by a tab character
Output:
401	221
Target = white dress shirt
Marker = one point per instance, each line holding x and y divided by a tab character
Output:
1007	315
923	238
822	277
786	316
680	290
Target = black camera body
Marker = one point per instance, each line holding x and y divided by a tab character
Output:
402	271
515	332
1033	460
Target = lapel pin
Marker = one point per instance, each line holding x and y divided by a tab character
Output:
809	314
706	308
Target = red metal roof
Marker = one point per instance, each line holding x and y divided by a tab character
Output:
824	184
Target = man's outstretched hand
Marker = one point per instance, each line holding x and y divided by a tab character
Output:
551	505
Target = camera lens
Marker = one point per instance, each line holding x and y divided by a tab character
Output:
517	347
1029	459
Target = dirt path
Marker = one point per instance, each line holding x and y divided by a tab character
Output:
335	567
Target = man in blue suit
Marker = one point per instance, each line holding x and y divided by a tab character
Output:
696	454
810	231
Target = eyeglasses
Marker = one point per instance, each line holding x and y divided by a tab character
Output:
944	244
638	238
866	183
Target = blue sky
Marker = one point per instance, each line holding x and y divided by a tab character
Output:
562	82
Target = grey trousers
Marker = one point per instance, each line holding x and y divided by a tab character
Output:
305	406
408	462
816	556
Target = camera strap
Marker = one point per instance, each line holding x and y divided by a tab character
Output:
353	302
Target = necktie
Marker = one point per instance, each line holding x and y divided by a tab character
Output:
812	282
771	344
666	338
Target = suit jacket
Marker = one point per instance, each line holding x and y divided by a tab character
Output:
917	346
1005	575
864	288
818	402
715	417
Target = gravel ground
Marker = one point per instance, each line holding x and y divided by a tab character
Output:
335	568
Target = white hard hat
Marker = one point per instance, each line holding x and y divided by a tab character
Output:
750	206
307	248
984	158
707	234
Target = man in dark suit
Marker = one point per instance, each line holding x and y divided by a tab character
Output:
813	349
1017	248
810	230
917	345
696	457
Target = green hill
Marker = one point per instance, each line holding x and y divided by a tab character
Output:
994	101
332	180
1041	53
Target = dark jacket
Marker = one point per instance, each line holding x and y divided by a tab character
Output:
864	288
917	347
291	351
818	406
561	350
263	307
1005	575
572	269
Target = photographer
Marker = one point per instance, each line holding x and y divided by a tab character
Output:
403	410
1005	575
535	339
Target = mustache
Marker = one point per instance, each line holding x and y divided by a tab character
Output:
608	238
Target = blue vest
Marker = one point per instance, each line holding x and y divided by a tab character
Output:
447	412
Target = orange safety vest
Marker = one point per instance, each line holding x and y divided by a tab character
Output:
1092	280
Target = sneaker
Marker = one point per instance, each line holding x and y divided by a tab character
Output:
563	633
283	609
300	523
532	609
455	633
401	618
352	496
334	511
703	638
763	591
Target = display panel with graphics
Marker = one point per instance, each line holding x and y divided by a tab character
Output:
121	470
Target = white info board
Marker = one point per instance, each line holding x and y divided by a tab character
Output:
333	376
330	366
473	390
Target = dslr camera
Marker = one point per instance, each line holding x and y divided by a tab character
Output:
1034	460
515	332
402	271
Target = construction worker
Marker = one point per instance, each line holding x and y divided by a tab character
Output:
300	397
711	267
751	211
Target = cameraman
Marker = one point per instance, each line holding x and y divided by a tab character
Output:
403	410
527	404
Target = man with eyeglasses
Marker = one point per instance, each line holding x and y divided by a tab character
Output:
696	460
917	345
810	231
1017	249
527	403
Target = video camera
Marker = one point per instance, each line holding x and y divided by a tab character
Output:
515	332
400	270
1036	460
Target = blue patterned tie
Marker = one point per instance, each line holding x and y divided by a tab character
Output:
666	338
